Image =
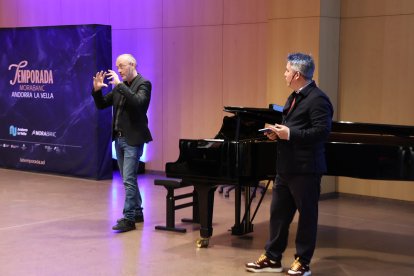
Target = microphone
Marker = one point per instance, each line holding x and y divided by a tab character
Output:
292	78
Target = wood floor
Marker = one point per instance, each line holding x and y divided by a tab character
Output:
54	225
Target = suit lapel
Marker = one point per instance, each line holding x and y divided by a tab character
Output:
301	95
288	104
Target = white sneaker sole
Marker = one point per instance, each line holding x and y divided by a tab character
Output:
268	269
293	273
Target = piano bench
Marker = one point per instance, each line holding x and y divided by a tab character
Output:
171	185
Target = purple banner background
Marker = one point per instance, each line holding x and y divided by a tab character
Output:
49	122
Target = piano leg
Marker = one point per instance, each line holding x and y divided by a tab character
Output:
205	194
245	225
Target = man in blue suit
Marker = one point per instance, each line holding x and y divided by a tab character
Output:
306	124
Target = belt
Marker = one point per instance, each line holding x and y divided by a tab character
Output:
119	134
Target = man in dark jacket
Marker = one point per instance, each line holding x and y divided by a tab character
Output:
130	100
306	123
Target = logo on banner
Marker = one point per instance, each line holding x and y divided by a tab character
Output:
44	133
17	131
31	82
13	131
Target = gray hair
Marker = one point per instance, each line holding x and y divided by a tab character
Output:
303	64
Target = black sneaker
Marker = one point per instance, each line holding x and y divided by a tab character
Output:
139	218
264	264
299	269
124	225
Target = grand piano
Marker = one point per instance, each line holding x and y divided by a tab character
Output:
241	156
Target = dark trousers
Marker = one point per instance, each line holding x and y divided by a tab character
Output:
293	192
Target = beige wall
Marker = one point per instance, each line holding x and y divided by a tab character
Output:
204	54
212	58
377	42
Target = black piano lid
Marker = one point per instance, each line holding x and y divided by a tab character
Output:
266	115
370	128
245	110
273	115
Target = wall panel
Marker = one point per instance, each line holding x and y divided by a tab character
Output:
9	18
374	70
294	9
288	36
367	8
192	93
192	12
129	14
244	63
81	11
38	13
245	11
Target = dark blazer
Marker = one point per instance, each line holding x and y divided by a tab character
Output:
133	119
310	123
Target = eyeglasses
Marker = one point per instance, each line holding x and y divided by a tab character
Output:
121	66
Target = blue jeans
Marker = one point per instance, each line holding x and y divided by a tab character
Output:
128	162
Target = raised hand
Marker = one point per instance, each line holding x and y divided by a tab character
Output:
113	76
98	81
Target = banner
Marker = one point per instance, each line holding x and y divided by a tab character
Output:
48	120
